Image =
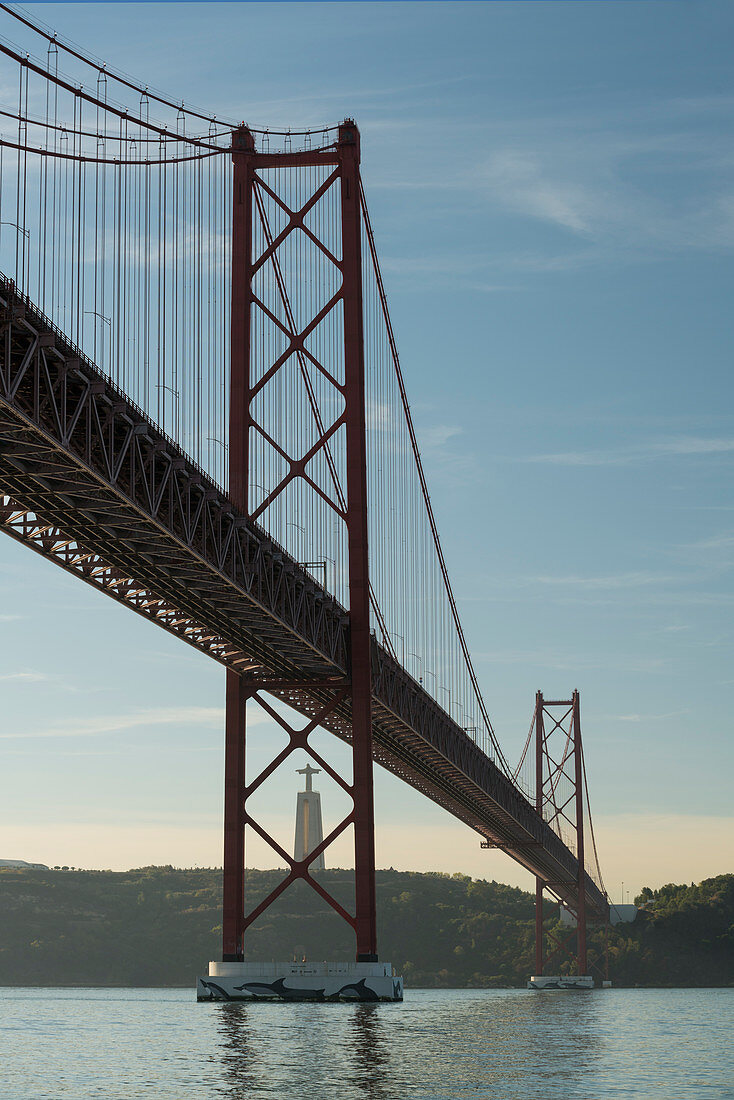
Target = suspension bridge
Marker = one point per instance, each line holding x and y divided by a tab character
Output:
203	415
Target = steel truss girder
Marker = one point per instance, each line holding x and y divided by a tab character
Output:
80	459
46	539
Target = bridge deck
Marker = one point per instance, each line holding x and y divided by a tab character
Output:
92	484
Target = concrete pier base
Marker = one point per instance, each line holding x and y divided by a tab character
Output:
567	981
316	981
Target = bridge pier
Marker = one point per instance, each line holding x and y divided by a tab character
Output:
293	982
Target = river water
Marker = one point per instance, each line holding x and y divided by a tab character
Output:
437	1045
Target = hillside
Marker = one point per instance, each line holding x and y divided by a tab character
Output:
683	937
159	926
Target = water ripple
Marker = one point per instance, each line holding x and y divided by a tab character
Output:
438	1045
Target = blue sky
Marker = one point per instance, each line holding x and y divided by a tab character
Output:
551	190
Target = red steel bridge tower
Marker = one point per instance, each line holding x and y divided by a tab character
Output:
560	796
248	257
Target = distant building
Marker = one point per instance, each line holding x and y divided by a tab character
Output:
21	864
618	914
309	830
622	914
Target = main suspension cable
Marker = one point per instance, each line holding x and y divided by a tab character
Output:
81	94
93	63
423	483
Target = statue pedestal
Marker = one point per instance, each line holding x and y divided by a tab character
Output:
310	981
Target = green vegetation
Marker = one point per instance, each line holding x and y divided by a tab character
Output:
683	937
158	926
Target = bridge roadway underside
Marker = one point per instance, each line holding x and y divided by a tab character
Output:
87	480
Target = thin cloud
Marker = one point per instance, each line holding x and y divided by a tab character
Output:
437	436
637	718
209	717
518	179
475	272
569	662
320	103
639	579
204	717
26	677
718	542
573	171
445	263
681	447
446	464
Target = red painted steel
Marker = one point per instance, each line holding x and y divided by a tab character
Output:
539	807
359	600
345	155
553	777
578	774
239	383
235	710
234	820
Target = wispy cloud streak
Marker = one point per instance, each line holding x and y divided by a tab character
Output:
208	717
638	579
25	677
680	447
